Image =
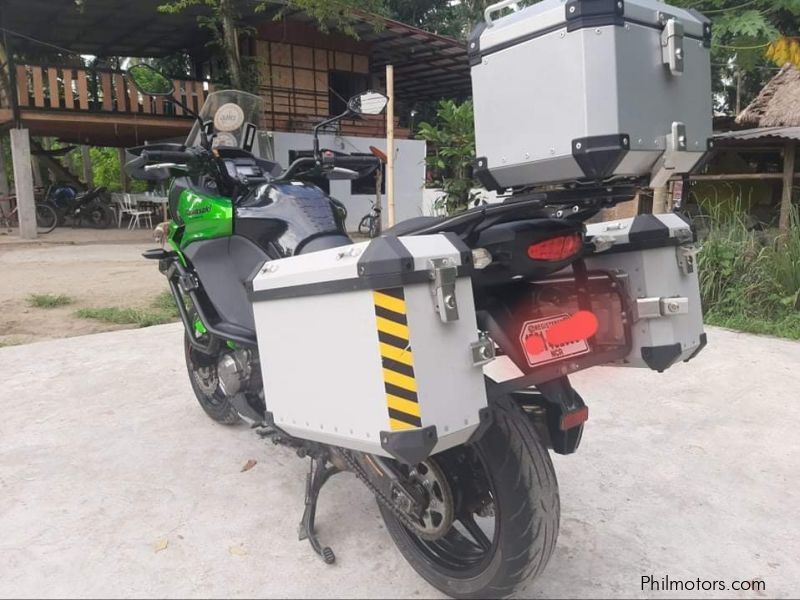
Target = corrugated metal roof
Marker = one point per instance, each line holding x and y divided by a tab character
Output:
760	133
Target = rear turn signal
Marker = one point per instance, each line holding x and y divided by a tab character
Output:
557	248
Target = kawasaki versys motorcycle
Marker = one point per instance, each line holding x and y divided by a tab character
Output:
478	519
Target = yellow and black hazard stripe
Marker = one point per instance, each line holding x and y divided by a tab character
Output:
397	358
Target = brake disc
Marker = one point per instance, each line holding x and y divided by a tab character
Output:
437	518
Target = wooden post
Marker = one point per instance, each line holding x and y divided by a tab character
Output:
123	176
788	182
390	146
88	172
23	180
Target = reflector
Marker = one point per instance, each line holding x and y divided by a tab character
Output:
575	418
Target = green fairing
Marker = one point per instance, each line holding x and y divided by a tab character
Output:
199	327
173	231
204	217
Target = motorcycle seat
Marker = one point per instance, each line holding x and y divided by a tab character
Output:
412	225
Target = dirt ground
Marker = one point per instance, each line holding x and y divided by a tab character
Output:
96	268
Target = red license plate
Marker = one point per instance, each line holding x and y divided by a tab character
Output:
541	352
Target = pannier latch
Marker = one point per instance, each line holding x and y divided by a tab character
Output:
443	274
482	350
687	258
655	308
672	44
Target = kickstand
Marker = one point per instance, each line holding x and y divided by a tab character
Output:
316	478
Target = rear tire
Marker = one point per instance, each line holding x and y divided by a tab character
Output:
365	227
97	215
526	515
202	370
375	226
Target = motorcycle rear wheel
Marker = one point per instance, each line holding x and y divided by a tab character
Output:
97	215
202	370
514	465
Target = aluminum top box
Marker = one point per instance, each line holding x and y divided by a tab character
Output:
589	90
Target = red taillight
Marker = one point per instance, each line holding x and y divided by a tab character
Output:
557	248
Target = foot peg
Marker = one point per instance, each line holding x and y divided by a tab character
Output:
318	474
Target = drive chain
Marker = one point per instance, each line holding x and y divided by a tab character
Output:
377	492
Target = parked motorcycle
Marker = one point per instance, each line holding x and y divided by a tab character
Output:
89	209
481	517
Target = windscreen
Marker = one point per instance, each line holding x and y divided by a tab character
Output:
226	115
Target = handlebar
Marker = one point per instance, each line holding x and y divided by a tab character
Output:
166	156
354	163
159	166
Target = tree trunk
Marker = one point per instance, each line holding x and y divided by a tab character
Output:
231	42
788	182
88	172
123	176
4	189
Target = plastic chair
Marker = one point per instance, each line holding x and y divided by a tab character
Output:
130	208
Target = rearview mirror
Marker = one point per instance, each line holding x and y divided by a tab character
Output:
368	103
150	81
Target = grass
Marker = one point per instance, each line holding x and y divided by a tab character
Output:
162	310
49	300
11	341
786	326
750	280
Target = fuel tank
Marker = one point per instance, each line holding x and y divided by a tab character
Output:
290	218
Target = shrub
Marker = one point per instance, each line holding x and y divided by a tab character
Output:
751	279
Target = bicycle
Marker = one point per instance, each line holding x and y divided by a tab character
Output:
370	224
46	216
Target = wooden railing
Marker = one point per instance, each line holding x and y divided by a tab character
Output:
60	88
104	91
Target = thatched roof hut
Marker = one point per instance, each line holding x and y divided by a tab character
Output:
778	104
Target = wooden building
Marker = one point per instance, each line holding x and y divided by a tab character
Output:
304	74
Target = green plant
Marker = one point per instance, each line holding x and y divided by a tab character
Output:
166	303
49	300
451	151
10	341
162	310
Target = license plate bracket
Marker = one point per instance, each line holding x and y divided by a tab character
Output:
548	353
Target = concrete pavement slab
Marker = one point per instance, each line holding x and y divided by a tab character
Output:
113	482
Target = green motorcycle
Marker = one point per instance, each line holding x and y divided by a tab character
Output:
476	520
